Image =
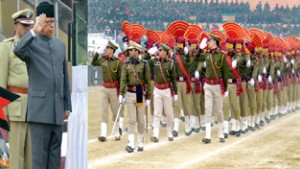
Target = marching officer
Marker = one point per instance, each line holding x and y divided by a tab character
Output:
14	78
215	86
136	77
111	73
252	84
242	66
196	88
234	89
182	62
165	88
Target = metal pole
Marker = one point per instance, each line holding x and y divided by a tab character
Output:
74	59
69	40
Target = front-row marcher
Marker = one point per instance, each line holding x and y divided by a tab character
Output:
136	77
215	86
111	74
165	87
49	101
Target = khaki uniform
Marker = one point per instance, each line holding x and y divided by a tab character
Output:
259	94
270	92
213	92
195	97
242	70
202	70
132	79
251	91
184	99
111	73
234	101
14	78
165	84
276	98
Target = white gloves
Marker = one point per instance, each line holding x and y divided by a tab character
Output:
148	102
152	50
186	50
264	71
203	43
293	71
259	78
121	99
284	59
248	63
226	94
270	79
252	82
175	98
197	75
278	72
125	46
204	64
234	63
293	61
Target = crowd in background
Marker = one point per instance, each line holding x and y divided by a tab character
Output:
107	16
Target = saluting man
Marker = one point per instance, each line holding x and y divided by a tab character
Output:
215	86
165	86
14	78
111	73
49	97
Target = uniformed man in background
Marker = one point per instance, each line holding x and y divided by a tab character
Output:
111	73
137	78
165	87
14	77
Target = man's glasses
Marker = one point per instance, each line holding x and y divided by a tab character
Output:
50	22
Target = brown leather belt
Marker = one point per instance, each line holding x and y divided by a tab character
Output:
162	86
133	88
210	81
17	89
109	84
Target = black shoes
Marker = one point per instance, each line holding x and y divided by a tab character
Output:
225	135
222	140
140	149
171	139
154	139
129	149
232	132
206	140
257	126
175	133
238	133
197	130
102	139
188	133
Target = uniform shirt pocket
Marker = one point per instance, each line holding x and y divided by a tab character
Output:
18	66
15	108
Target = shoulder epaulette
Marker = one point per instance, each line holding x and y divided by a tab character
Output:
9	39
